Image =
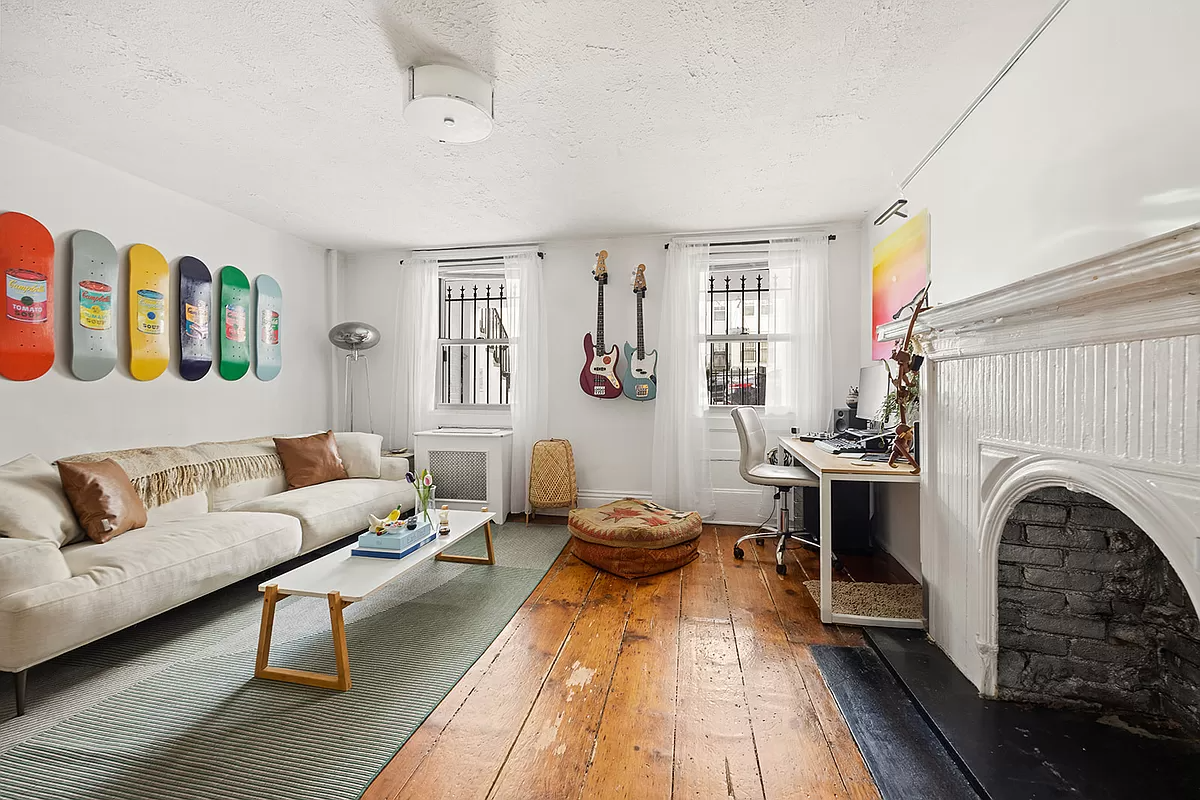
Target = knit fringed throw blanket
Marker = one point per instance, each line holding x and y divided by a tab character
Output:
163	474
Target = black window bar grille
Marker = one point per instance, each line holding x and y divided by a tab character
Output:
473	334
737	370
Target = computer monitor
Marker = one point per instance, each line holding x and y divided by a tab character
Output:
872	390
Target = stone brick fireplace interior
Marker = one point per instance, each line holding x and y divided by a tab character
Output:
1047	405
1091	614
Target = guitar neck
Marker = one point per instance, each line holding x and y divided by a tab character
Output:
641	351
600	318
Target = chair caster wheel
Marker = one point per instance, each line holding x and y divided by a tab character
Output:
837	563
759	541
781	569
739	553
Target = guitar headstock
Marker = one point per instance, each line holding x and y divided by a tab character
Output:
600	271
639	280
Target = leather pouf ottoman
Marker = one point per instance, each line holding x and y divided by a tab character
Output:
634	538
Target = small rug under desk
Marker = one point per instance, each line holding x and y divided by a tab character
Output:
895	600
168	709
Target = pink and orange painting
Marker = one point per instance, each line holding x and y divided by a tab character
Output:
900	269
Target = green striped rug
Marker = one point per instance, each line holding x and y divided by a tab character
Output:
168	709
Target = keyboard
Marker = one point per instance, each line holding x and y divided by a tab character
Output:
841	443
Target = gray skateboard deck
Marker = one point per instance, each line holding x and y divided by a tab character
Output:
268	313
94	273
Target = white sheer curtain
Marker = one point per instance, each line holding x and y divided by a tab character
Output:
800	371
682	477
527	363
415	339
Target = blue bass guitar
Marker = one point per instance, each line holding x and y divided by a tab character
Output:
640	381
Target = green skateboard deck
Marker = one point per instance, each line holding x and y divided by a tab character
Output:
27	321
268	357
195	311
149	340
234	322
94	273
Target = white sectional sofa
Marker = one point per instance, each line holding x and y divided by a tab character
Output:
54	599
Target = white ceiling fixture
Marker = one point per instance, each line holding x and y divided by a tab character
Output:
449	104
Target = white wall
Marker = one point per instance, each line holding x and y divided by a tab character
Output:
1087	145
57	415
611	439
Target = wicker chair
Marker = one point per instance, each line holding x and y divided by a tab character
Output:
552	476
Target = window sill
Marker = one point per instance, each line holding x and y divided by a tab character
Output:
449	408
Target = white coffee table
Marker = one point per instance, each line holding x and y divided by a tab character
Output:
344	579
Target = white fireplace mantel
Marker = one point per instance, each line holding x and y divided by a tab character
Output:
1086	377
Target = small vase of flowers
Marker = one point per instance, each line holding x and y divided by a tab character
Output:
422	483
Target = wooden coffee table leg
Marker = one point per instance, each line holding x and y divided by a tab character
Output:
340	681
489	559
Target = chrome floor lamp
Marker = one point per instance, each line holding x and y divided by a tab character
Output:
354	338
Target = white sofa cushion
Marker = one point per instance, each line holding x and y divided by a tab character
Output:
333	510
33	505
25	564
360	453
137	575
227	497
191	506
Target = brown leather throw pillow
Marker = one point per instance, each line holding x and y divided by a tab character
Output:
104	500
309	460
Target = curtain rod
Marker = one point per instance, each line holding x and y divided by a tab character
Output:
481	261
667	246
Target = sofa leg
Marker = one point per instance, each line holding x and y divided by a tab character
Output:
19	684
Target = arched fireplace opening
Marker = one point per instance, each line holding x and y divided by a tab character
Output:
1091	614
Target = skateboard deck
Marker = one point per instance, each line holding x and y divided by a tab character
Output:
195	310
93	289
27	323
234	323
268	357
149	342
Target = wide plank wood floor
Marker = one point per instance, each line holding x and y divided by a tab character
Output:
694	684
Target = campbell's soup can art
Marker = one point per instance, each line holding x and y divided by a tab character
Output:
269	323
235	323
195	320
95	305
25	296
150	311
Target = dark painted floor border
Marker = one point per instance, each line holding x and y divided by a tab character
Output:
904	756
1012	751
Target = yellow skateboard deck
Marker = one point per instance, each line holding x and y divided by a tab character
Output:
149	333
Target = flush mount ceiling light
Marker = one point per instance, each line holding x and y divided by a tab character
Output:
449	104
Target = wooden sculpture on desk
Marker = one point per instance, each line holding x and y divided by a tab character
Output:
902	383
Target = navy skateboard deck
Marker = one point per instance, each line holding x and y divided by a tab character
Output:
195	311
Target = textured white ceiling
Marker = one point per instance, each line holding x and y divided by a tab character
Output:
612	116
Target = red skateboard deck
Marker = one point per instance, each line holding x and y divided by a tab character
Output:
27	322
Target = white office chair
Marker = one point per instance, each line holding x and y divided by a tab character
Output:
755	469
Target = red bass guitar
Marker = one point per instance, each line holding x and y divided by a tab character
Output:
599	375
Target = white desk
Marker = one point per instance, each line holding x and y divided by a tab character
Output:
830	468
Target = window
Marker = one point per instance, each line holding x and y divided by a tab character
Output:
736	322
473	339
